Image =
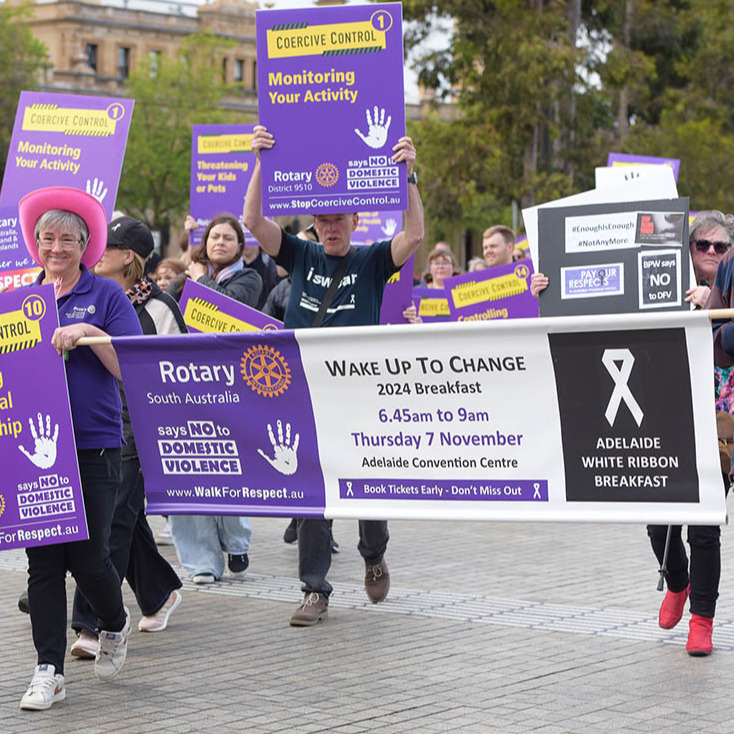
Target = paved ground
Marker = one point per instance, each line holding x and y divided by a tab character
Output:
488	628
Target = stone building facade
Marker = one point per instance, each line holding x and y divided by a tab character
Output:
93	47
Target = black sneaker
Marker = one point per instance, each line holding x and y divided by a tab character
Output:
238	564
23	602
291	532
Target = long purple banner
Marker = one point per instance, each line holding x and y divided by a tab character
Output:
40	499
423	422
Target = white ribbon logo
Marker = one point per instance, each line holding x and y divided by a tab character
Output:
620	375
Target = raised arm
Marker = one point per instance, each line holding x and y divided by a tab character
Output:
405	243
265	231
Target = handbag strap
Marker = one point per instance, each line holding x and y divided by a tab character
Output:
333	286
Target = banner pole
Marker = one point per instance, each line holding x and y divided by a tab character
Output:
88	341
713	314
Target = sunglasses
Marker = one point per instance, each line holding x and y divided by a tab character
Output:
719	247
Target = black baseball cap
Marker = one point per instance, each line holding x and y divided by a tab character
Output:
130	233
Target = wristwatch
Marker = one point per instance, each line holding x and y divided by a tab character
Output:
413	178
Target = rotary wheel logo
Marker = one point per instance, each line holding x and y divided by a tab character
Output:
265	371
327	174
2	505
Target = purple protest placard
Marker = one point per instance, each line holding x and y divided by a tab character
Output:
67	140
626	159
334	74
376	226
500	292
209	311
41	496
16	266
194	442
432	304
221	167
398	294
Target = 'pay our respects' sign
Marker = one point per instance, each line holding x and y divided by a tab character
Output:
330	89
40	490
405	422
613	258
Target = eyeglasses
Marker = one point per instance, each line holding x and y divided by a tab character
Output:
719	247
441	263
66	243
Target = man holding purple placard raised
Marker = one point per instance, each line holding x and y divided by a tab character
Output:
335	284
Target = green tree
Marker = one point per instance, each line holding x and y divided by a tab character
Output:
22	57
512	70
695	110
178	93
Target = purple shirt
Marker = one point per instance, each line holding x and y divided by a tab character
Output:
94	394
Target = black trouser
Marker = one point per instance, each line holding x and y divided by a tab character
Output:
133	552
88	561
314	550
705	571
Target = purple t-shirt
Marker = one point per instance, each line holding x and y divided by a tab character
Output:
94	395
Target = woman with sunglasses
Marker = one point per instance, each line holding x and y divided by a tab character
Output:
710	238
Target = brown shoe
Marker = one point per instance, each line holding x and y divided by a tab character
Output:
313	610
377	582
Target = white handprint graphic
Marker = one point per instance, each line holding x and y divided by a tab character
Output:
390	226
44	451
285	458
377	129
97	189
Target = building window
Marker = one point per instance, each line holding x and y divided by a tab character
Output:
239	70
254	74
154	63
123	63
224	71
92	56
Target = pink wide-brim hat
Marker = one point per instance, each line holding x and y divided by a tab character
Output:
37	202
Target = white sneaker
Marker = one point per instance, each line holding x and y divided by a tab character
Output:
85	645
203	578
159	621
112	651
45	689
164	536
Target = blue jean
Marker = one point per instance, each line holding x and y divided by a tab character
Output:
133	552
88	560
314	550
201	540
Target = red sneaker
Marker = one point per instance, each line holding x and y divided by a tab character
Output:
671	610
699	636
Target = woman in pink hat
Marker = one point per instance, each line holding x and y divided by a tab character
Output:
65	231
